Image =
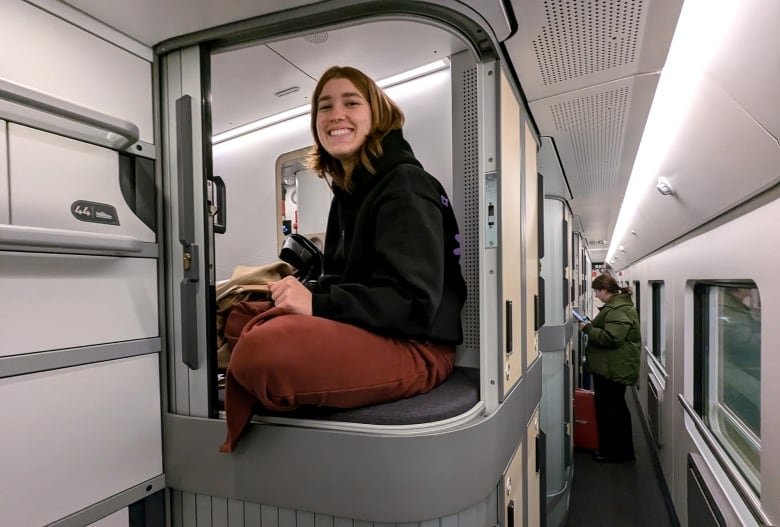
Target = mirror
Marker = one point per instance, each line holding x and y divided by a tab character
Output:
303	199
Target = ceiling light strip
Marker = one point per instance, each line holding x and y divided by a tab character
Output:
388	82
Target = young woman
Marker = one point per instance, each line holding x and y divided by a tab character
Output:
383	320
614	341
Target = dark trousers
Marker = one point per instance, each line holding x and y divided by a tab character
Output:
613	419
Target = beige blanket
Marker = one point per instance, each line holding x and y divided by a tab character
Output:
246	283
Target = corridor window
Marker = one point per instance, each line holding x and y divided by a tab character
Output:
728	362
637	300
658	341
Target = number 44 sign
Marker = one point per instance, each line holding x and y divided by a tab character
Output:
94	212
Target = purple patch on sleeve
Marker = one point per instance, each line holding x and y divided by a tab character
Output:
445	201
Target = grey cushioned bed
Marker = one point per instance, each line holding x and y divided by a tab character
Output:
455	396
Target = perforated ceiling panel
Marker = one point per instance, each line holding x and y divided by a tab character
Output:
589	69
582	37
594	125
597	132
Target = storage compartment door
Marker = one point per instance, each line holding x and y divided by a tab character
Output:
57	301
533	469
61	183
510	229
512	495
76	436
49	55
531	245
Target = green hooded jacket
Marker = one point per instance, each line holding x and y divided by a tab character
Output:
614	341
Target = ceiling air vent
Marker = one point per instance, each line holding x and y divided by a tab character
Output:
317	38
581	37
287	91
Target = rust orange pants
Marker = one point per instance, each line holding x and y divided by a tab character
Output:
284	361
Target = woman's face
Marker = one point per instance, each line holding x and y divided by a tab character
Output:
343	119
603	295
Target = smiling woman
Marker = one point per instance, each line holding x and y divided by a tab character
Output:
351	115
343	119
383	320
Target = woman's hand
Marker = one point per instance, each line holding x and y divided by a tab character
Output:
291	296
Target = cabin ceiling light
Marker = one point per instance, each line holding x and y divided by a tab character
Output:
414	73
394	80
664	187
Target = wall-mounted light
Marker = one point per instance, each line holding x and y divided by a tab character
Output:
664	187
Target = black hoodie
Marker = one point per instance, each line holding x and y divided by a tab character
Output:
392	252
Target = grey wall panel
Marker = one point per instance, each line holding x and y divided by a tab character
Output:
253	515
219	514
208	510
189	512
336	472
465	163
238	515
203	508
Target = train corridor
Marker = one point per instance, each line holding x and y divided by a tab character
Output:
621	495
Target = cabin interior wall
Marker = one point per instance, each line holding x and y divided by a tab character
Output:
81	362
749	257
247	164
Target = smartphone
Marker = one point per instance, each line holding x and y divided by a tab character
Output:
579	316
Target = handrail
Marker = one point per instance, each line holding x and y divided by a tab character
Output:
22	95
744	492
25	236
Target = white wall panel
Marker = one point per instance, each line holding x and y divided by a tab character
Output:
60	301
118	519
750	73
74	171
4	206
52	56
745	248
76	436
41	162
510	209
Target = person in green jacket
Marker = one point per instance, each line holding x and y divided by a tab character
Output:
614	341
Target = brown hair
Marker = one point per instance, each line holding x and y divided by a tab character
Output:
385	116
608	283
